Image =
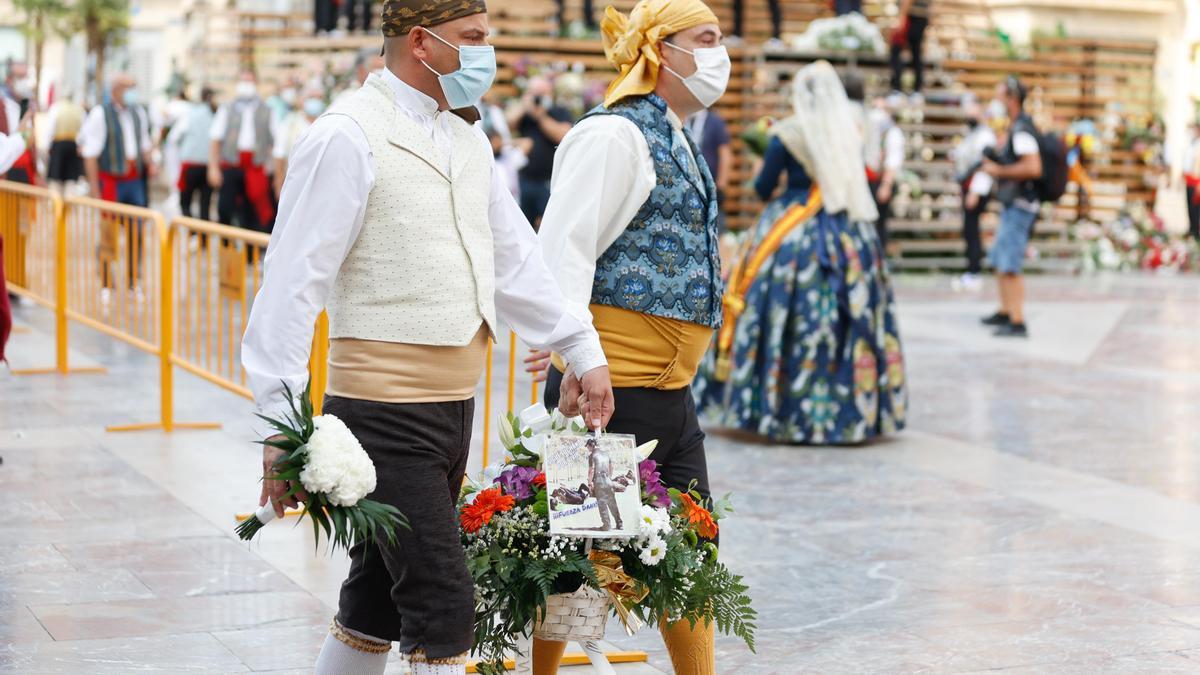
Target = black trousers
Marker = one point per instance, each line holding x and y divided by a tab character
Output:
589	15
1193	213
324	16
739	11
915	40
841	7
418	592
232	201
885	213
355	9
972	235
648	414
195	179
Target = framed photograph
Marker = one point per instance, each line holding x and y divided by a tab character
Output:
593	485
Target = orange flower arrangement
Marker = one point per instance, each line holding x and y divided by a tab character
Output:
487	504
699	517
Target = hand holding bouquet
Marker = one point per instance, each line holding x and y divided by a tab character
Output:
324	465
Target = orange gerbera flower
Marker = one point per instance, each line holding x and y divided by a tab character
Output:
699	517
487	504
540	479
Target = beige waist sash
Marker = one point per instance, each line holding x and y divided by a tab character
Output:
391	372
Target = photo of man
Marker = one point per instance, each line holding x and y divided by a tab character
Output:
593	485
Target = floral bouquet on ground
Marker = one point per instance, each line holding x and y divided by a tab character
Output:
324	459
668	572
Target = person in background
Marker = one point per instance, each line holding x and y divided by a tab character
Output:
324	16
114	142
910	34
976	185
511	154
14	144
1015	168
356	10
23	168
537	118
63	122
116	148
711	134
294	126
242	137
193	133
843	7
883	156
1190	167
810	349
739	21
588	18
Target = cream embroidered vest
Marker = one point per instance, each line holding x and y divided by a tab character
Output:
421	270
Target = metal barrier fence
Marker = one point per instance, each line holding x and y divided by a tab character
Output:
181	291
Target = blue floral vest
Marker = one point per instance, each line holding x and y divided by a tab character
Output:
666	262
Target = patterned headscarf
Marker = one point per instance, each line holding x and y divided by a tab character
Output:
630	41
401	16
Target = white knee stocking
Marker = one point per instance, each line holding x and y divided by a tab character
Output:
348	652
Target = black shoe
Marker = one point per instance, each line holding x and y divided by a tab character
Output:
997	319
1012	330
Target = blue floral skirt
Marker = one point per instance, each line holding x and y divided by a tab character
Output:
816	354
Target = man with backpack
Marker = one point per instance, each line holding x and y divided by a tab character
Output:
1017	168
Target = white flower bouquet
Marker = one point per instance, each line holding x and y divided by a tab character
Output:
322	457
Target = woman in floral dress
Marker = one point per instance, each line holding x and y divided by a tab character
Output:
810	350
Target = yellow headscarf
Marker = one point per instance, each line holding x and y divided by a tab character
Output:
630	41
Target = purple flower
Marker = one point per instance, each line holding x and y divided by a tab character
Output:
654	492
649	470
518	482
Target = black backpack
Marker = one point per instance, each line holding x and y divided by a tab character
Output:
1053	183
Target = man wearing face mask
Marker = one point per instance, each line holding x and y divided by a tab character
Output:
114	142
242	137
290	131
631	235
394	218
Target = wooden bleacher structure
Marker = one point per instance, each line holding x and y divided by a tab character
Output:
1068	78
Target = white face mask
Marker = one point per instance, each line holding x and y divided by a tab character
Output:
997	109
246	89
711	78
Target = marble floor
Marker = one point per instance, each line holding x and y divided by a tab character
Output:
1040	515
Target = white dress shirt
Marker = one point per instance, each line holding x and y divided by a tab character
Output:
321	210
93	135
12	147
247	140
603	174
969	153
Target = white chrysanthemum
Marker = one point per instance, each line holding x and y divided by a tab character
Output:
337	466
654	521
654	551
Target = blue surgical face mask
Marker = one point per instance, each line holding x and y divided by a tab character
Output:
476	72
131	98
313	107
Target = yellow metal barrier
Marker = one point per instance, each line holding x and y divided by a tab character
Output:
182	291
35	254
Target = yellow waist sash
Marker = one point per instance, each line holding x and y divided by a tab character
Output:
746	270
649	352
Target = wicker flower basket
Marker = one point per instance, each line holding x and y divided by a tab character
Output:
575	616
